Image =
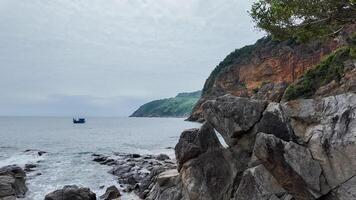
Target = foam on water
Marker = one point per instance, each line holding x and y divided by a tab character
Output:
69	159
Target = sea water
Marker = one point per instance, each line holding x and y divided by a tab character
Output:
69	147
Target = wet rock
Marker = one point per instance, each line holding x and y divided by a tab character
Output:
233	116
133	173
136	155
162	157
100	159
12	182
111	193
40	153
71	192
30	167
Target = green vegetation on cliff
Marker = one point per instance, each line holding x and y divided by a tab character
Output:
179	106
329	69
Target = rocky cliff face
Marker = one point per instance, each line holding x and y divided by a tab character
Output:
295	149
246	70
302	149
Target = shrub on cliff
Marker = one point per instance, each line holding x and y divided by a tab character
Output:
329	69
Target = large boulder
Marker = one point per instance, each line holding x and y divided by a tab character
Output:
194	142
291	164
208	171
233	116
329	127
12	182
275	121
210	176
71	192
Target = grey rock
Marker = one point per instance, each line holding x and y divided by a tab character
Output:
258	184
168	186
212	172
71	192
8	198
12	181
291	164
6	186
30	167
328	125
346	191
111	193
194	142
272	92
209	177
275	121
162	157
233	116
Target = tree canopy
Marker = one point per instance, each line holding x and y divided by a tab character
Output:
303	19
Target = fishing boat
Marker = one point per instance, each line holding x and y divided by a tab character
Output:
79	121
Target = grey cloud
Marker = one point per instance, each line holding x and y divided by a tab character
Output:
144	49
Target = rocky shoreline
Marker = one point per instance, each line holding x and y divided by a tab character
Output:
133	172
302	149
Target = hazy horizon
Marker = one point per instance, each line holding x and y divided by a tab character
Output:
89	58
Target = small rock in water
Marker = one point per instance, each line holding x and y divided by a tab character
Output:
162	157
111	193
40	153
100	159
30	167
71	192
136	155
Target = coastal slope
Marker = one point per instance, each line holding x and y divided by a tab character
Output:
301	148
244	71
178	106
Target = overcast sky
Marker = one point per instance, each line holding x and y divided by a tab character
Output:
106	57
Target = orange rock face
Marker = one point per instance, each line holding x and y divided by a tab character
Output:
270	62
